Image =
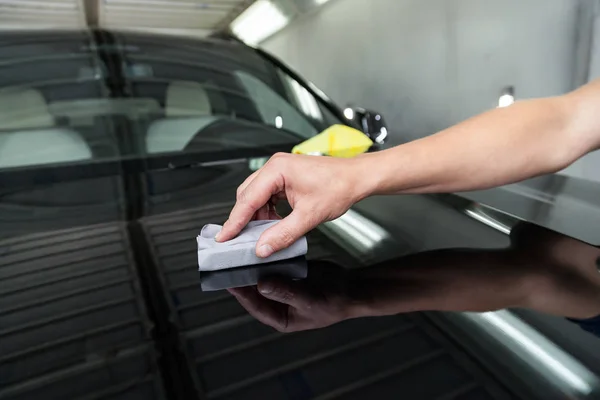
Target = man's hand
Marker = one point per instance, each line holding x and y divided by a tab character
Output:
319	189
321	300
288	307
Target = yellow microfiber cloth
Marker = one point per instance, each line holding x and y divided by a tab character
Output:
336	141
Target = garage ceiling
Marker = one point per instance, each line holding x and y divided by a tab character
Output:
170	14
179	17
40	14
194	17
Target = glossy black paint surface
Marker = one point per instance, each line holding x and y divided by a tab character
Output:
564	204
100	294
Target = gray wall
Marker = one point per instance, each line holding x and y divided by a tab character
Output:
595	53
428	64
589	166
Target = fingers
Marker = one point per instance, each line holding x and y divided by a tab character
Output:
263	309
263	213
285	233
267	212
285	292
249	200
248	180
273	215
221	237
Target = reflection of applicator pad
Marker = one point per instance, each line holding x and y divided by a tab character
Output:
295	269
241	251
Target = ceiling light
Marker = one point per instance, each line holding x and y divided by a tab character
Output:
321	2
259	21
279	122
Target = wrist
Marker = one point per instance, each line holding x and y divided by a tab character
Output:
357	295
592	303
386	172
365	176
586	309
573	297
358	309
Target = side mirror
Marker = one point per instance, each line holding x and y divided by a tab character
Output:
370	122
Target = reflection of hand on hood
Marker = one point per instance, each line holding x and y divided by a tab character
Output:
542	270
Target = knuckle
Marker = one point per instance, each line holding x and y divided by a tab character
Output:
242	197
287	296
276	160
239	195
246	199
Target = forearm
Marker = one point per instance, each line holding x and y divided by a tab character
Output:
442	280
477	280
498	147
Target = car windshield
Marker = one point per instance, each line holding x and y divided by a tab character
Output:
73	97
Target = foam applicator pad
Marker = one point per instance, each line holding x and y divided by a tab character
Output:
241	251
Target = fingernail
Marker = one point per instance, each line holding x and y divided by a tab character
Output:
218	236
264	251
266	288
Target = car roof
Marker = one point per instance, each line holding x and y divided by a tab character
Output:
44	42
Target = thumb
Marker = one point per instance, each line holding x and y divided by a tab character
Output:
283	234
284	292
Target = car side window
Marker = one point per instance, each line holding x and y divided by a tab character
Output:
273	109
307	103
